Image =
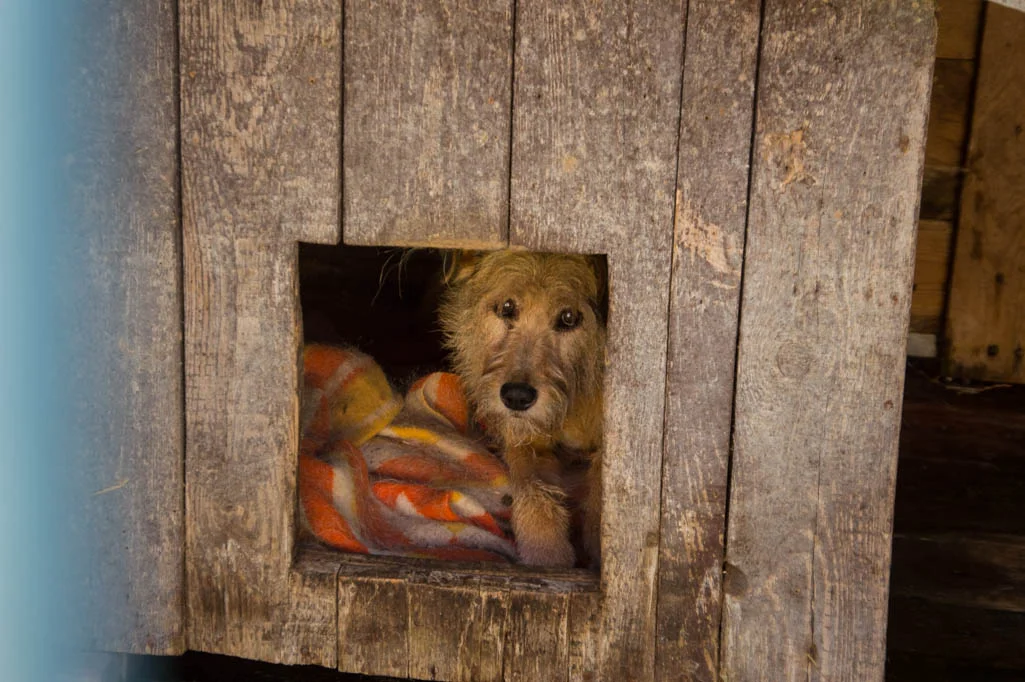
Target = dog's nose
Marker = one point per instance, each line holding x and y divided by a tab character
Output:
518	396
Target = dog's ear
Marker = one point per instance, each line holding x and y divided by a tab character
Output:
459	265
599	265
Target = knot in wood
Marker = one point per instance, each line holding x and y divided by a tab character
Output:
793	360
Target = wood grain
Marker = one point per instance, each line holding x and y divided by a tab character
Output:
536	647
839	144
958	28
711	213
941	192
595	124
932	264
446	633
266	77
259	83
948	112
373	626
434	620
427	98
123	175
986	330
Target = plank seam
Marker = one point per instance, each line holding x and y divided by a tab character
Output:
942	336
736	345
669	324
512	121
180	238
341	126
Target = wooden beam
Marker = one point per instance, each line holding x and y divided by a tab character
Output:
124	177
259	102
427	98
986	327
711	215
839	140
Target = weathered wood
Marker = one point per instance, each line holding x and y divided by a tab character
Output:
839	141
373	625
932	263
427	98
437	620
261	89
445	628
948	112
123	175
583	623
595	125
958	28
986	328
536	646
711	213
259	101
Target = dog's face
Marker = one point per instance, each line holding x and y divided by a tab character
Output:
527	338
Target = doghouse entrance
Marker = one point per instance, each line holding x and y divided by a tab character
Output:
381	304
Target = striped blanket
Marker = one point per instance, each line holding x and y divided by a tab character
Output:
383	475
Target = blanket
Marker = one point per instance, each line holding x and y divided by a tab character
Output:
379	474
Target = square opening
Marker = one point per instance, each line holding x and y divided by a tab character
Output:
382	304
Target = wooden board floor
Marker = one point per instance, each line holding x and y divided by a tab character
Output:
957	597
957	604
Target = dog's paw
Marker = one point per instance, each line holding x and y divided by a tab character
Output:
551	552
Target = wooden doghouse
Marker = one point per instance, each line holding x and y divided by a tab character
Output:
751	169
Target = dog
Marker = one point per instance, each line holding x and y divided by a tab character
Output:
526	335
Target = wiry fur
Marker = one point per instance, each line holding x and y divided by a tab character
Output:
565	366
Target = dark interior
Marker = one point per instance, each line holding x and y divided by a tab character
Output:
380	300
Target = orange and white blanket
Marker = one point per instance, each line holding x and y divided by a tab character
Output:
383	475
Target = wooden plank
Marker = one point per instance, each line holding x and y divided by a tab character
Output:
259	170
948	112
582	632
952	496
941	192
445	632
595	124
958	28
711	214
974	570
911	667
373	626
262	85
536	647
932	262
986	330
438	620
123	175
427	98
839	142
967	636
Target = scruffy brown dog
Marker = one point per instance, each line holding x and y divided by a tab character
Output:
528	341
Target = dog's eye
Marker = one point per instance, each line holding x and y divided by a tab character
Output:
568	319
506	310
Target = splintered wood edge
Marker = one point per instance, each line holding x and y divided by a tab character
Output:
498	577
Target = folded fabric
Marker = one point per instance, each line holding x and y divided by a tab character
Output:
382	475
